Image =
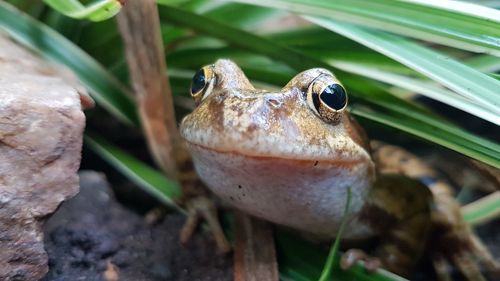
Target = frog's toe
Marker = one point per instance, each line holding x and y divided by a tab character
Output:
350	257
485	257
203	207
468	256
464	262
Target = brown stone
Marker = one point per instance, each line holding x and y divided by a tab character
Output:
41	127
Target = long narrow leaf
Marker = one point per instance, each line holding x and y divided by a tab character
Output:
462	79
333	256
484	63
482	210
457	24
152	181
422	87
108	92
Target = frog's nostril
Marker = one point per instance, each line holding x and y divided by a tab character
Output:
273	102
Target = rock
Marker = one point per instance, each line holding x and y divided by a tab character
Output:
41	127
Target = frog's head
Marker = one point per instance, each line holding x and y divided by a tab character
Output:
306	119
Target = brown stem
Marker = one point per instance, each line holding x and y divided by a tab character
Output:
140	29
254	253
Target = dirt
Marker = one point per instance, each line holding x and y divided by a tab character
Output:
93	236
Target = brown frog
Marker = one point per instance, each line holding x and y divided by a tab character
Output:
290	156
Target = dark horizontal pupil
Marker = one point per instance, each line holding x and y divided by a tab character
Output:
334	96
198	82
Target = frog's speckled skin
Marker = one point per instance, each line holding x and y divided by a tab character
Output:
268	154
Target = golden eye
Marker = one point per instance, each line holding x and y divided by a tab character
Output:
327	98
202	84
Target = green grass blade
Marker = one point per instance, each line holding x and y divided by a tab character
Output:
482	210
432	133
457	24
237	37
97	11
151	180
332	262
484	63
464	80
301	260
104	88
420	86
241	15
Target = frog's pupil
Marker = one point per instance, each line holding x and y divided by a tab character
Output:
198	82
334	96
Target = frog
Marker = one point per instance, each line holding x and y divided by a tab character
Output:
290	157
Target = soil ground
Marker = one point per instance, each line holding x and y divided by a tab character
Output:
93	234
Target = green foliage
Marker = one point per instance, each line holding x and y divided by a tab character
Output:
456	24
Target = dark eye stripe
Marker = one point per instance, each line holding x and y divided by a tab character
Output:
334	96
198	82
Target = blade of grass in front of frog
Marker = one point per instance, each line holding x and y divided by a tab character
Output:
451	23
103	87
149	179
332	262
457	76
96	11
303	260
482	210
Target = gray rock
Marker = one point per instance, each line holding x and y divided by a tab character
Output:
41	127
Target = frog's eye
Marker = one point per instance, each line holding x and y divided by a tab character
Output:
327	98
202	84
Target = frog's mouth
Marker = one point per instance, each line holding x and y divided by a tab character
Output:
198	149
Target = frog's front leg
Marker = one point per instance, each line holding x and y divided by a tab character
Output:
399	209
198	203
